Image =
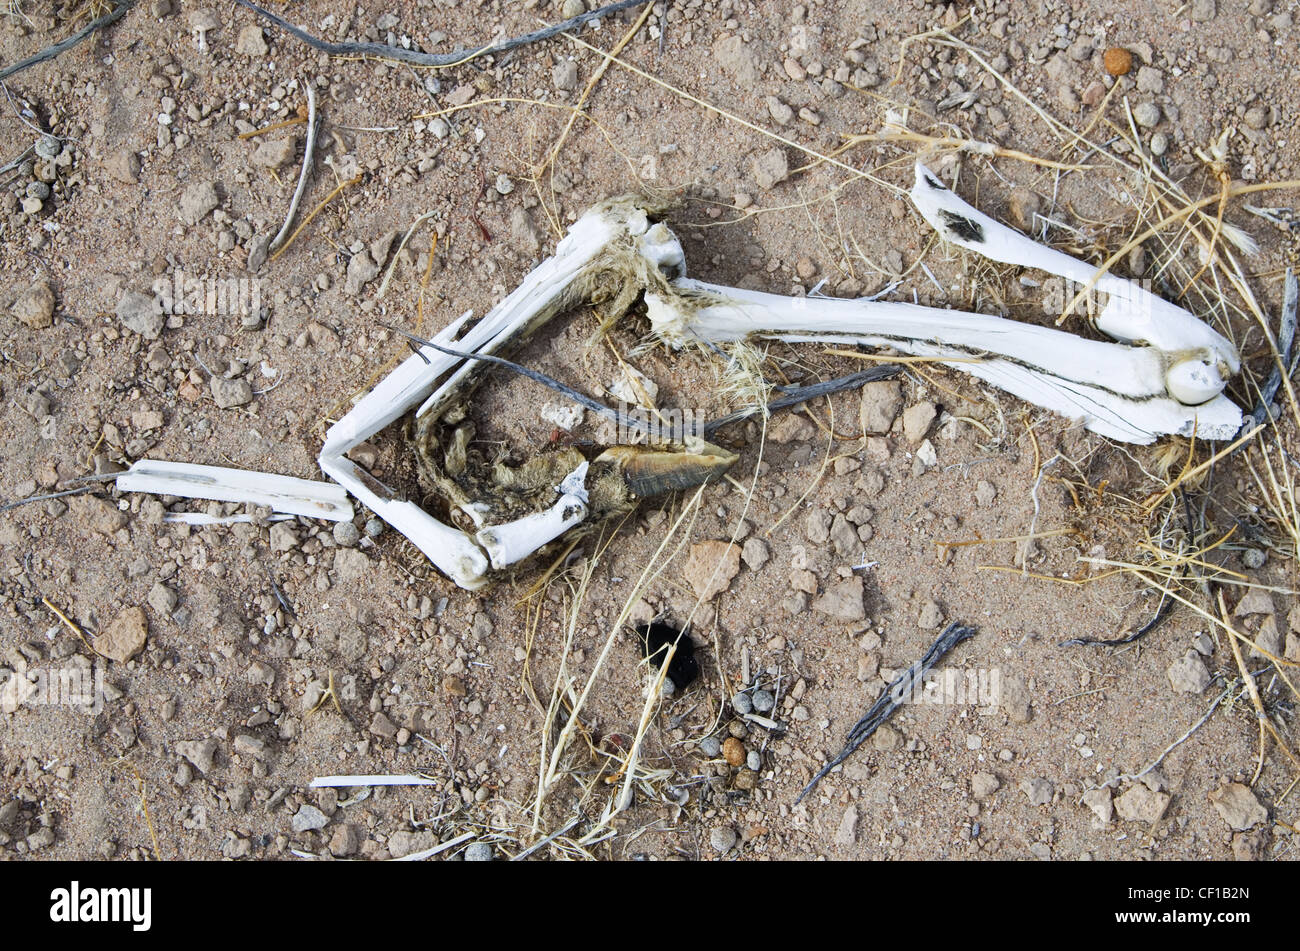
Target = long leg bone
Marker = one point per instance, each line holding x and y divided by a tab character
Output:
282	494
1204	359
1131	393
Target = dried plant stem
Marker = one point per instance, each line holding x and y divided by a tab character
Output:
74	627
308	152
689	97
596	76
1261	715
314	212
1181	215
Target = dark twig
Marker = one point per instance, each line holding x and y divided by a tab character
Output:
279	595
418	58
535	375
906	686
793	397
45	498
52	51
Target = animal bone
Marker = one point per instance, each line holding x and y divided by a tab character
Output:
282	494
1171	384
598	260
1165	375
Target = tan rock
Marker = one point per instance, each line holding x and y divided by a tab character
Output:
843	601
1141	804
35	306
1238	806
125	635
710	567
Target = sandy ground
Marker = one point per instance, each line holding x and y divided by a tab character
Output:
207	738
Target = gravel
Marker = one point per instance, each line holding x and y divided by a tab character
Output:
1238	805
197	202
201	753
843	601
35	305
307	819
770	168
228	394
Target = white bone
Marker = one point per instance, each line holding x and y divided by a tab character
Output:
545	290
394	395
1131	393
283	494
1116	390
1173	384
1133	315
512	542
451	550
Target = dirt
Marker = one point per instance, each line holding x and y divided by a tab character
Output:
220	722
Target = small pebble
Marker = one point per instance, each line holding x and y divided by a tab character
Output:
1257	117
723	839
741	703
763	701
754	760
1159	144
346	534
48	147
1146	114
1254	558
374	527
478	852
710	746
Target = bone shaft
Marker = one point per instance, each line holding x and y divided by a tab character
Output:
924	331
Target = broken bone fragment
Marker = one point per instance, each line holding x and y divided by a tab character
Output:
513	541
284	495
